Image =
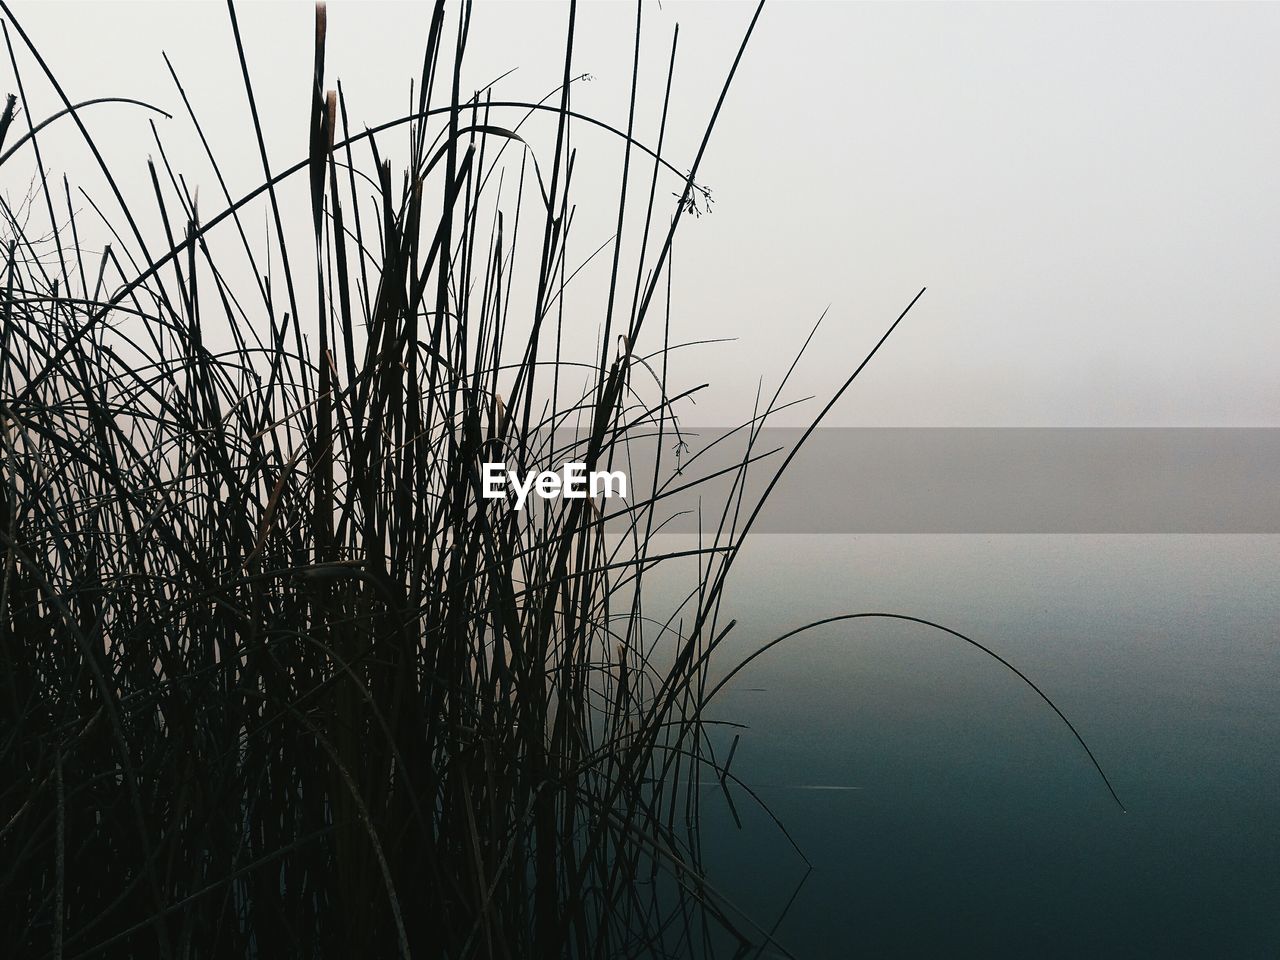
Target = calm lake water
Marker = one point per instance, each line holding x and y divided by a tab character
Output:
957	815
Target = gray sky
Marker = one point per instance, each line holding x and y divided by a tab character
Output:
1088	190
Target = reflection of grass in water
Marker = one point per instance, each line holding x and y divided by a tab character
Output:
279	681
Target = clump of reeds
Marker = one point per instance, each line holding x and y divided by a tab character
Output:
277	680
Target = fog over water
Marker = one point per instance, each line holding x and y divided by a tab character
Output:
1088	190
1091	194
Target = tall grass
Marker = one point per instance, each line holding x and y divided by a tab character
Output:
278	681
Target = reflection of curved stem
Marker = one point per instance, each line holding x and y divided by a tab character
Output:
936	626
72	109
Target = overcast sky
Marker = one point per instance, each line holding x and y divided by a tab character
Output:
1089	191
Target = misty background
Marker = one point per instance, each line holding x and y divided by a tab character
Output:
1089	191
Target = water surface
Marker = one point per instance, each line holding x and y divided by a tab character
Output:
958	816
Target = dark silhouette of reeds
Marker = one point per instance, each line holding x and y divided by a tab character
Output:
277	680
